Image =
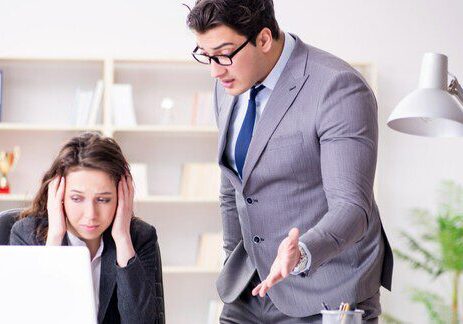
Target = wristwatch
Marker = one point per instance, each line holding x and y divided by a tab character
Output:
302	264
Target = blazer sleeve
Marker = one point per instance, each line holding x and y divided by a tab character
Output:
348	134
230	220
23	232
136	283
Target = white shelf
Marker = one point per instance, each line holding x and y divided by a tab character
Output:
176	200
183	130
51	59
188	270
169	130
149	199
46	128
15	198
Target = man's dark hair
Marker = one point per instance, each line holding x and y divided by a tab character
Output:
246	17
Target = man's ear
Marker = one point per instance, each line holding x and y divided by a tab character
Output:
264	40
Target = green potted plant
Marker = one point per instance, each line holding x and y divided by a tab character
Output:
438	250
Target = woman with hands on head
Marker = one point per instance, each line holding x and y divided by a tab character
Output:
86	198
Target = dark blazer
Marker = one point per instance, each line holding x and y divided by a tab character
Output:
127	295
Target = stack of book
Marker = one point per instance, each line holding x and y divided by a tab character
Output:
123	112
202	112
87	105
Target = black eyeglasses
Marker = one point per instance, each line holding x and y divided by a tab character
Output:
219	59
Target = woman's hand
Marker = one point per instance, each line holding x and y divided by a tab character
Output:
55	208
121	225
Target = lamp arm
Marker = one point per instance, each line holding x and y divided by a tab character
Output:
455	88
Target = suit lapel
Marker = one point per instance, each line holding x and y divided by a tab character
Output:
226	108
226	111
108	274
286	90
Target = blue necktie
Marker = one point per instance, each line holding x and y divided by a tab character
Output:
245	134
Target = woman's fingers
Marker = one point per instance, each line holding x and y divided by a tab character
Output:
131	186
120	194
55	210
60	190
52	187
125	189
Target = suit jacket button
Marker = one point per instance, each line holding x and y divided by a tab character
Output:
249	200
256	239
303	274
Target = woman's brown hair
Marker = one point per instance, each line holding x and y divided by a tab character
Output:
87	150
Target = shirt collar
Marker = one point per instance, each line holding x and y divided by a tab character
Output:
75	241
288	47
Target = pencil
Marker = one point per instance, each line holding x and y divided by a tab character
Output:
325	306
346	307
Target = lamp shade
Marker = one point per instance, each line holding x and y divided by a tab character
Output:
430	110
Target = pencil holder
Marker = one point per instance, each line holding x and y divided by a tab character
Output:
342	317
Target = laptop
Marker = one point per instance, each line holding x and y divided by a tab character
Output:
49	285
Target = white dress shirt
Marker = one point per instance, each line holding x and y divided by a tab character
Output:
95	263
241	106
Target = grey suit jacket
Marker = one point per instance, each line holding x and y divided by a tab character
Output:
311	165
127	295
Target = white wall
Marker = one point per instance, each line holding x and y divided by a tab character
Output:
393	34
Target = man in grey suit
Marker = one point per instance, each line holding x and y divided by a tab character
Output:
297	151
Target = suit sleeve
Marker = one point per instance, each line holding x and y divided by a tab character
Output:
136	286
348	134
230	220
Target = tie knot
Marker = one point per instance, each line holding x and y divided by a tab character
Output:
255	91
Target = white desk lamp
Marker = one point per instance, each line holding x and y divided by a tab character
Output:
435	109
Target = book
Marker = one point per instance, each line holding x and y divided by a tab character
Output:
81	107
1	94
202	111
122	103
139	173
210	251
95	105
200	180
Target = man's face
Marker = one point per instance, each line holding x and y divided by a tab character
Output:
246	68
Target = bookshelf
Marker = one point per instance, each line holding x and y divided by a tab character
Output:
37	115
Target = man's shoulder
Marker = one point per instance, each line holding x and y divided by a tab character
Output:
322	62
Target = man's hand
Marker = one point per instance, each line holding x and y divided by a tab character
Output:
287	258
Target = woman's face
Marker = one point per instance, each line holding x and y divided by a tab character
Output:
90	201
